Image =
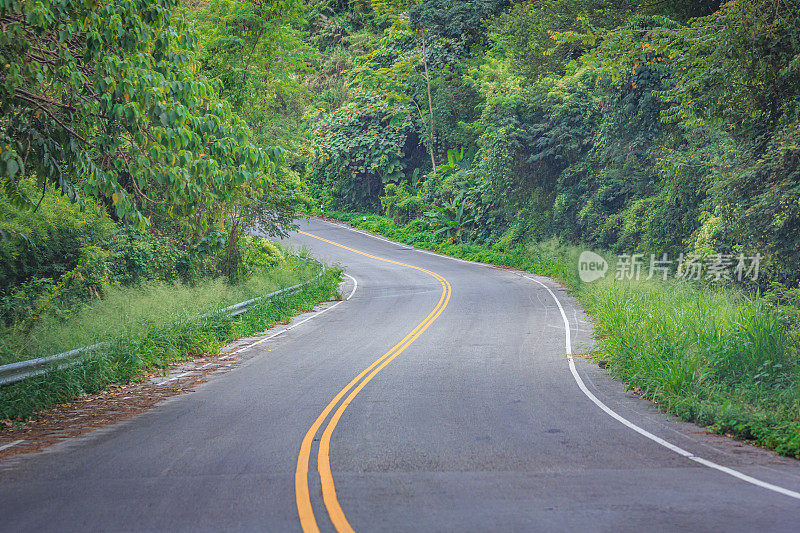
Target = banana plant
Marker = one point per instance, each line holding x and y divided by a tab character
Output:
457	161
449	219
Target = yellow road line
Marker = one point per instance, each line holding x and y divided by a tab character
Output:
306	512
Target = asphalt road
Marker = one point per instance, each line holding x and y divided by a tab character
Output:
474	423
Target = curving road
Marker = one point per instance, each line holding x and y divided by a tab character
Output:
438	397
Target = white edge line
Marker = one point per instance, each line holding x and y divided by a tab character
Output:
315	315
588	393
643	432
11	444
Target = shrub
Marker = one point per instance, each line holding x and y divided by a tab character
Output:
257	255
142	256
59	252
401	203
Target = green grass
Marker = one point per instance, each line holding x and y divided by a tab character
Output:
175	333
711	355
132	311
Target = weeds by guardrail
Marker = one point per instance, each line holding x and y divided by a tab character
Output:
15	372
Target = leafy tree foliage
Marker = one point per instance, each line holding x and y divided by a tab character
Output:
650	127
118	105
737	78
106	98
457	25
364	145
258	54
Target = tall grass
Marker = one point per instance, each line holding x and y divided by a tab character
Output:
711	355
126	311
152	344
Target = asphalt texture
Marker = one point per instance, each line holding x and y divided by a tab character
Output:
478	425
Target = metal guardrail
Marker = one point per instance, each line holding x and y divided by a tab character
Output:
14	372
238	309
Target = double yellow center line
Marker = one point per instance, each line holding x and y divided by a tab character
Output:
304	508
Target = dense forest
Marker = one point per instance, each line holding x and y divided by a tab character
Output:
143	141
120	159
629	126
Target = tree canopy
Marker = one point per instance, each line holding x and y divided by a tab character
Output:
107	99
650	127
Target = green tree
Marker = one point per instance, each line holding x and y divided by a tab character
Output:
739	79
258	54
105	98
363	145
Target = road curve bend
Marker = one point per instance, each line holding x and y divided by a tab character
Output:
439	397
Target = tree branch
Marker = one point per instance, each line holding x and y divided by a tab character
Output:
55	119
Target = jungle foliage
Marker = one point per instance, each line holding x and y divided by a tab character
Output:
636	127
133	148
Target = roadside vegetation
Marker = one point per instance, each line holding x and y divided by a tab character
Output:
135	310
718	356
137	156
150	346
712	356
